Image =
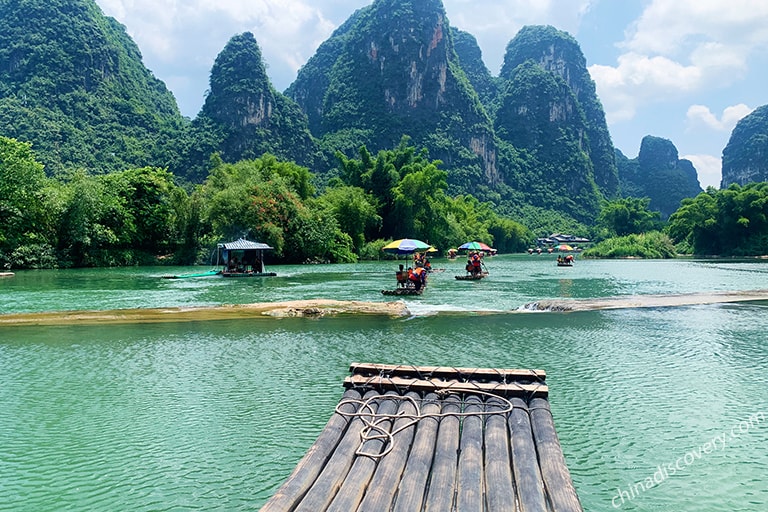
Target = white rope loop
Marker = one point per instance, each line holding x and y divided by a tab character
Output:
374	430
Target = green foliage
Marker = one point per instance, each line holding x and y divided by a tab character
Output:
651	245
124	218
263	199
407	192
72	82
354	211
627	216
26	216
733	221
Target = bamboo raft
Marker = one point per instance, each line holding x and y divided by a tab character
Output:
472	277
403	291
413	438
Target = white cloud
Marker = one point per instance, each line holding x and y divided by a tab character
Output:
182	39
639	80
699	115
678	47
497	21
708	167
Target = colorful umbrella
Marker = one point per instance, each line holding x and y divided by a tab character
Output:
406	246
564	247
475	246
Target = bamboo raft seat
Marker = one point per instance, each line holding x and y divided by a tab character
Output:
412	438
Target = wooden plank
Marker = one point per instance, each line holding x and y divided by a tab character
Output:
499	489
530	486
386	479
310	466
354	486
469	489
413	486
442	483
399	383
327	484
557	479
448	371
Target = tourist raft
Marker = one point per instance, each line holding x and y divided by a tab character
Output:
412	438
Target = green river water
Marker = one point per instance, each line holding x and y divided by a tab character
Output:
215	415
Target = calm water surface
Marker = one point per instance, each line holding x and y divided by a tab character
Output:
215	415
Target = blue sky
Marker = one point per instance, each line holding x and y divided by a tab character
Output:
685	70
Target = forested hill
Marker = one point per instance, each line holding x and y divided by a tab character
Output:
391	70
533	141
745	158
658	173
72	83
570	98
244	116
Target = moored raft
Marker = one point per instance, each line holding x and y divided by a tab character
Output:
412	438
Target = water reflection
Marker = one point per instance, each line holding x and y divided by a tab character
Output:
214	415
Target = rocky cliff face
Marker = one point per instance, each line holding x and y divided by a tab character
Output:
559	54
745	157
244	116
392	70
471	61
659	174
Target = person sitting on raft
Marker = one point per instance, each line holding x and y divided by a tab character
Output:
474	263
402	277
418	277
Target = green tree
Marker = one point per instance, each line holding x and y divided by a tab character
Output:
733	221
354	212
262	199
626	216
93	223
25	222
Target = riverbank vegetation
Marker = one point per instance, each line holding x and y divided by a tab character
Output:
143	216
651	245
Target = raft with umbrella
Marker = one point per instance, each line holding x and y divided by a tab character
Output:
406	246
476	247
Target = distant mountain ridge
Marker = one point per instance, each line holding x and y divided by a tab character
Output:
658	173
745	157
390	71
244	117
533	140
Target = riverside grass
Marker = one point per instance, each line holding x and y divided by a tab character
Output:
651	245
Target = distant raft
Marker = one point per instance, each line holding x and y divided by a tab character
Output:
414	438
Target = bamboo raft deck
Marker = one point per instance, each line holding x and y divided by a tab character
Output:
472	277
413	438
403	291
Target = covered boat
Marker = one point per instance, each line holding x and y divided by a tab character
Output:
243	258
